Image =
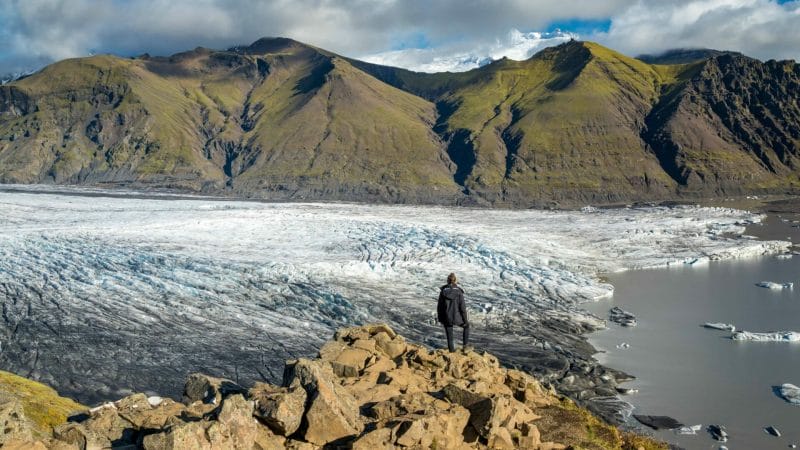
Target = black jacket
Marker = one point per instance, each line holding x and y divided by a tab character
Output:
451	308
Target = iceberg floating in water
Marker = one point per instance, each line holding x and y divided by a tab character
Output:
789	392
718	433
773	336
719	326
622	317
689	430
773	285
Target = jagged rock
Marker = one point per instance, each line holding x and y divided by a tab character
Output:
406	404
21	444
75	434
103	427
350	362
280	408
417	420
140	412
238	429
332	412
209	390
493	418
379	439
330	350
391	346
235	428
526	389
529	438
299	445
363	332
188	435
443	429
418	399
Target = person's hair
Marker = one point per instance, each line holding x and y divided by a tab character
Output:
451	279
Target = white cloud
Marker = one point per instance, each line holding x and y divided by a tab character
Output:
759	28
515	45
35	32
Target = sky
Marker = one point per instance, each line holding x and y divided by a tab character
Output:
426	35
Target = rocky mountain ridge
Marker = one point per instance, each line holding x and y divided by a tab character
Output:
369	389
279	119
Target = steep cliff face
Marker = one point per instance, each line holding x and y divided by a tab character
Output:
280	119
732	127
368	389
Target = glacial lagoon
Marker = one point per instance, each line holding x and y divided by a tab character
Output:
699	375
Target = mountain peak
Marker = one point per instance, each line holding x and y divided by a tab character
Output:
269	45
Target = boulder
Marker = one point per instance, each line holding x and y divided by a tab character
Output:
330	350
417	420
350	362
185	436
139	411
403	405
363	332
332	413
209	390
280	408
76	434
291	444
16	444
235	428
490	416
391	346
103	426
378	439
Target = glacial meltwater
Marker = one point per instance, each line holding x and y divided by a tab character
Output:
699	375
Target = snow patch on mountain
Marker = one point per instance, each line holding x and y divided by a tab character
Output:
515	45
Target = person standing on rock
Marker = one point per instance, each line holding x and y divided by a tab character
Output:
452	311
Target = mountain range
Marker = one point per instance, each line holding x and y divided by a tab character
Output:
280	119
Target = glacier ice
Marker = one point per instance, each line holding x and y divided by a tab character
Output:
774	285
773	336
790	393
689	430
104	293
719	326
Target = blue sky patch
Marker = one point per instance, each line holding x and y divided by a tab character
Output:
580	26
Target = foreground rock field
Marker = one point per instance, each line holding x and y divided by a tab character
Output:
368	389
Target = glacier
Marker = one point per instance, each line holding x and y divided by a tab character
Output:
108	293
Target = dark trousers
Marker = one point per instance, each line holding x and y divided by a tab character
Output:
449	332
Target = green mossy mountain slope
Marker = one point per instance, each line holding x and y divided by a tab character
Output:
283	120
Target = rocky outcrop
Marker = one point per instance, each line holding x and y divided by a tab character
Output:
369	389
